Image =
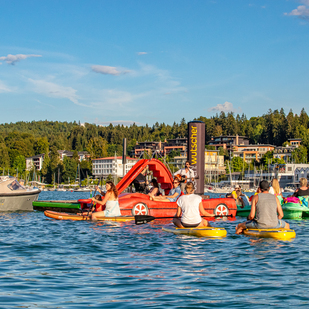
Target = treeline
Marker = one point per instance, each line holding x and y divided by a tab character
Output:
25	139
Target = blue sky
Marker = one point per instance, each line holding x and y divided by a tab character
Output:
125	61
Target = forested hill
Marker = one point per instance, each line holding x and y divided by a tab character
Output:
30	138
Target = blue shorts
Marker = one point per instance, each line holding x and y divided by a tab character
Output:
252	224
172	199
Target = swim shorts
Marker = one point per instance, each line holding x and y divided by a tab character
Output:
252	224
190	225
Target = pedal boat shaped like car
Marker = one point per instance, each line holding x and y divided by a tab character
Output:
280	234
15	197
75	217
211	232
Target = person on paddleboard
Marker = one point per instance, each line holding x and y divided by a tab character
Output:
267	209
190	207
110	200
186	174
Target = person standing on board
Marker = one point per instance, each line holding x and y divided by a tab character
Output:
110	200
186	173
172	196
267	209
190	207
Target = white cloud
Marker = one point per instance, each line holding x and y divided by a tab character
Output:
225	107
142	53
12	59
302	11
55	91
4	88
104	69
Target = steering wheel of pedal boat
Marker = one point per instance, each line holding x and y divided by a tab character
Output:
140	209
221	210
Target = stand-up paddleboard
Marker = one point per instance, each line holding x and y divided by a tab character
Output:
281	234
214	232
74	217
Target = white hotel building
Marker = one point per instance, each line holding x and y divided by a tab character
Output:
103	167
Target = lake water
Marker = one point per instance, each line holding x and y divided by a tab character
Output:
46	263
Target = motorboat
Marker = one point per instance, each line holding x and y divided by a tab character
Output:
14	196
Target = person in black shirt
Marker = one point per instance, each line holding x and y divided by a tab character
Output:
140	182
303	189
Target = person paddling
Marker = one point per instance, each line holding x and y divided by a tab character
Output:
267	209
110	200
190	207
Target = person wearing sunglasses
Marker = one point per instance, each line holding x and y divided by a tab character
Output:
172	196
186	174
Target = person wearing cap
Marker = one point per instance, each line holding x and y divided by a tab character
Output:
173	195
189	210
267	210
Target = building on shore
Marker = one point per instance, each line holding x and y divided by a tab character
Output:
287	174
252	152
162	148
285	152
37	161
103	167
228	141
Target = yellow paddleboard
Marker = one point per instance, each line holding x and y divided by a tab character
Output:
214	232
282	234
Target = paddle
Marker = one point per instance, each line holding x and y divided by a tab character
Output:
91	206
142	219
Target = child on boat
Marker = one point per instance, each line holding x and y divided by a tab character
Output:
190	207
267	209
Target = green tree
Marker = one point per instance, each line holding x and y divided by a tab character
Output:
97	147
41	146
299	155
19	163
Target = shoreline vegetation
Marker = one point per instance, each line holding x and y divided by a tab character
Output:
25	139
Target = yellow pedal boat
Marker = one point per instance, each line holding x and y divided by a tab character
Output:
281	233
213	232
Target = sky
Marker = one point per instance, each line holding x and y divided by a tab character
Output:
148	61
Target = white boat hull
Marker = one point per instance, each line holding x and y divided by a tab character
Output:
22	202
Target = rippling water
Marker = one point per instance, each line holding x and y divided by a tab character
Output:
46	263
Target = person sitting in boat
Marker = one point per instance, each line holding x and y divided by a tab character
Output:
154	191
238	196
189	210
276	190
267	209
173	194
303	189
110	200
187	174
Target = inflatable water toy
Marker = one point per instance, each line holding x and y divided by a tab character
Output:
281	234
290	211
75	217
213	232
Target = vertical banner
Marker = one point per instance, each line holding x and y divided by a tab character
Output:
196	153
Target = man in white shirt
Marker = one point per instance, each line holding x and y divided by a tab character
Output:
186	173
